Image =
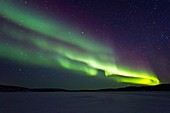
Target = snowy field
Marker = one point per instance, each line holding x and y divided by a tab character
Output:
85	102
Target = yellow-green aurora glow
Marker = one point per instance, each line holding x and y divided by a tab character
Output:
47	42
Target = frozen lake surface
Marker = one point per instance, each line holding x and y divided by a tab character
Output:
85	102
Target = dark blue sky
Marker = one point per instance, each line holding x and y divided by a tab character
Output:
137	30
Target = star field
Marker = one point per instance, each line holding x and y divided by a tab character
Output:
84	44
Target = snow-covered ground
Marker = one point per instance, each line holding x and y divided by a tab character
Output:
85	102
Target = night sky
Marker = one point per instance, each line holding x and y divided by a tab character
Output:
84	44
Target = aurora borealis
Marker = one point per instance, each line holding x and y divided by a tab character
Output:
31	37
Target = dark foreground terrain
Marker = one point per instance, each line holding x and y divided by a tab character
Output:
145	99
161	87
85	102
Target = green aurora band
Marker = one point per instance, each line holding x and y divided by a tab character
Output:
48	42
